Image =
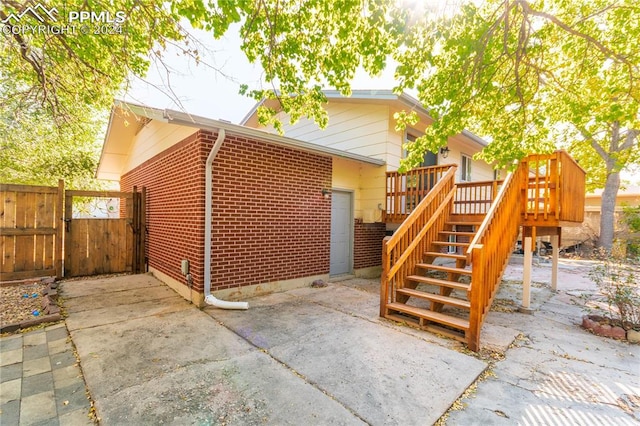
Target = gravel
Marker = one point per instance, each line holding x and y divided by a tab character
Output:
15	307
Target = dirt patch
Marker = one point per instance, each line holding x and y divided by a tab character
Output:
28	303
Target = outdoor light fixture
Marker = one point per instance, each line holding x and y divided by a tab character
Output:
444	151
326	193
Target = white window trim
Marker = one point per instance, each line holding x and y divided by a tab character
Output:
465	175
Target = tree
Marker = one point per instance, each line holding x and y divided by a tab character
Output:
530	75
35	150
58	79
300	45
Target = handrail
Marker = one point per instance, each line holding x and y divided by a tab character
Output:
490	214
402	251
490	249
404	191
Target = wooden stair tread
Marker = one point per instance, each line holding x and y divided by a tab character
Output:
449	255
457	223
447	243
460	233
451	301
442	283
438	317
444	268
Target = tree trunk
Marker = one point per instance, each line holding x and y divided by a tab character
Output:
607	210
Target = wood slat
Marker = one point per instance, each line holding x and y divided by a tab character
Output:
458	233
27	231
442	283
447	255
10	187
98	194
447	243
461	223
438	317
443	268
451	301
21	275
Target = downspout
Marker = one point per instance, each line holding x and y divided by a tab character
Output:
208	190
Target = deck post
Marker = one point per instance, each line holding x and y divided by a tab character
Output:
555	242
526	276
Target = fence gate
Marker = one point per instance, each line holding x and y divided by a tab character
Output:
30	231
104	246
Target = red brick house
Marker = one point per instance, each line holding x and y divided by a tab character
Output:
280	217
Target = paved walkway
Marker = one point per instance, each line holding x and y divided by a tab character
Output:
41	383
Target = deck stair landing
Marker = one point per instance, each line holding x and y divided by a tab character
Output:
436	297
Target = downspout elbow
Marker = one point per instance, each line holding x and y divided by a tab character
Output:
223	304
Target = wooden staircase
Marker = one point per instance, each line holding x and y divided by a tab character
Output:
436	297
424	282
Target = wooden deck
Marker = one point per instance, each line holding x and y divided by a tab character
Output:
553	192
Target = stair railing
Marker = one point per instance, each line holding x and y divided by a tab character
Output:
404	191
402	251
490	250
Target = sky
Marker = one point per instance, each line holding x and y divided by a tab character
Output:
201	90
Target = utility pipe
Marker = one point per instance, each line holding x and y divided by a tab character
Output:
208	192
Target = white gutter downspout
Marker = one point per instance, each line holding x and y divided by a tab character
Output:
208	190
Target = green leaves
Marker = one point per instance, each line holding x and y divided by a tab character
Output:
304	46
527	75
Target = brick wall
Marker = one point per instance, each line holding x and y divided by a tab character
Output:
175	207
270	221
367	245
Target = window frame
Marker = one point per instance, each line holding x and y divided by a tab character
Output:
465	169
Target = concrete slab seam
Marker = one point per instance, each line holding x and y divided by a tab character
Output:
293	370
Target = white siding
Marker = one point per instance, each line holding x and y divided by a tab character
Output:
152	139
358	128
480	170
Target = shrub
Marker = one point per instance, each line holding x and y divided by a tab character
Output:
618	297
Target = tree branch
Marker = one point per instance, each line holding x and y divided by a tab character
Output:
526	7
629	138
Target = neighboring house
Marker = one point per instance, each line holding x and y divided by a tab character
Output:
589	231
276	222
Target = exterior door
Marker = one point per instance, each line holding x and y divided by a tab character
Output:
341	255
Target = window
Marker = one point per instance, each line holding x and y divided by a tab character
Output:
465	164
452	249
408	137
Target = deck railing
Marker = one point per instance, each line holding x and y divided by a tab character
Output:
406	190
475	197
490	249
554	190
402	251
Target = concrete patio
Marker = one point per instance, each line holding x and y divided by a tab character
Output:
323	356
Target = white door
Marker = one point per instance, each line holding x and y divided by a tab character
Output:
340	258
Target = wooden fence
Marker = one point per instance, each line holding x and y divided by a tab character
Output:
30	231
39	237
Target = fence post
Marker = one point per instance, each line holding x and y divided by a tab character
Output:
60	227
